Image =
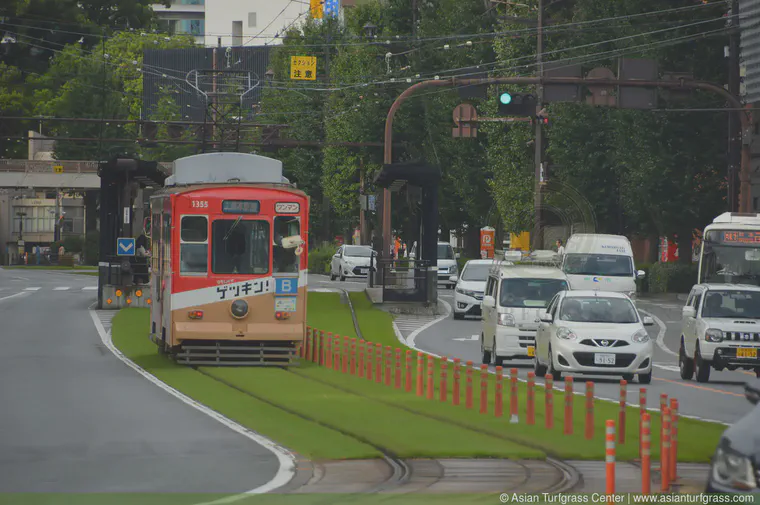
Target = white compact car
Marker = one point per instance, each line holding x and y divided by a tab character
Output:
594	333
351	261
720	330
470	286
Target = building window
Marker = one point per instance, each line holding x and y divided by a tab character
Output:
251	20
237	33
196	27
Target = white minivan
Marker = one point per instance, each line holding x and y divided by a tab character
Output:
447	264
600	262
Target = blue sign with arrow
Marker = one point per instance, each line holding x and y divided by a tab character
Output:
125	246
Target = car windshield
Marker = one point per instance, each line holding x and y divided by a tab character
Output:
534	293
598	309
477	272
445	252
732	304
598	264
357	251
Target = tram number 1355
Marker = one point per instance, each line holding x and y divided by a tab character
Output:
199	204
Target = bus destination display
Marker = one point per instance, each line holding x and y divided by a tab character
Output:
241	206
739	237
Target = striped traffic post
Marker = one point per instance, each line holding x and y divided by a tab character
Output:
673	440
609	458
444	378
621	416
549	401
665	456
646	464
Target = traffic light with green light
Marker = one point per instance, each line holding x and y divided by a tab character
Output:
515	104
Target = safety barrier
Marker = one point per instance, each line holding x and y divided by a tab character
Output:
390	367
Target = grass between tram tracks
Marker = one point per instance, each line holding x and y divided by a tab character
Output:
333	411
696	439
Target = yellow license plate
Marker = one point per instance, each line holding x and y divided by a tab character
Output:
532	351
746	353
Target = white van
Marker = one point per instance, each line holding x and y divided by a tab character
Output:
515	296
447	264
600	262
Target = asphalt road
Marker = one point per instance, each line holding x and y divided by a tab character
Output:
722	399
76	419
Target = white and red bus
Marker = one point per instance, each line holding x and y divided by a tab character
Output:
229	262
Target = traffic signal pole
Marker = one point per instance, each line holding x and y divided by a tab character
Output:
538	238
745	197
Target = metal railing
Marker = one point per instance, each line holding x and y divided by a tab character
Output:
126	271
407	280
49	166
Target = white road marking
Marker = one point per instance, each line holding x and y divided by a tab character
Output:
413	335
468	339
12	296
670	368
660	334
286	459
61	289
32	289
90	288
324	290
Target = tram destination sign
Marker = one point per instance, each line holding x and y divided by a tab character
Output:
241	206
735	237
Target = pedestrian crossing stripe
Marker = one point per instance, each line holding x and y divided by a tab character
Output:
32	289
61	289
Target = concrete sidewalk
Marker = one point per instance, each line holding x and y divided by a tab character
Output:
692	477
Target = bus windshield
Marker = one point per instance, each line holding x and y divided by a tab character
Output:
612	265
725	260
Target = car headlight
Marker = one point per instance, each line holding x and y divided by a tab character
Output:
566	334
640	336
732	469
466	292
506	320
714	335
239	309
453	269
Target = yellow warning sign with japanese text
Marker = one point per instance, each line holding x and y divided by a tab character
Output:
303	68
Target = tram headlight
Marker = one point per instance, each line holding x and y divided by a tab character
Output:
239	309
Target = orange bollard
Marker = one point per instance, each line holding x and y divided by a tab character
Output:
419	373
338	354
483	389
322	351
530	416
408	377
360	365
353	356
642	411
673	440
498	401
610	455
589	410
312	345
398	369
646	470
328	352
388	364
444	383
621	415
346	354
455	386
663	404
513	415
665	456
468	390
569	406
305	354
430	386
549	401
379	363
370	359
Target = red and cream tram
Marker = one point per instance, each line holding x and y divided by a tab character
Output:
229	262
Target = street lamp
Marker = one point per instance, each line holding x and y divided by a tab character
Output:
369	30
269	75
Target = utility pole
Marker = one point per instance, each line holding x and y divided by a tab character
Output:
538	239
325	199
214	98
734	126
362	212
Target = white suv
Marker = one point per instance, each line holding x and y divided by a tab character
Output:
720	329
515	296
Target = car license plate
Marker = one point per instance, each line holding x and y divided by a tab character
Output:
744	352
531	351
604	359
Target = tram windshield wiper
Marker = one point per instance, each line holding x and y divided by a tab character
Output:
234	225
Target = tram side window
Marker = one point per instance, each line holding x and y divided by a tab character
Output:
155	235
285	260
240	247
193	248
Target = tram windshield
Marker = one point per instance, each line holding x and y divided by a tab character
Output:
731	257
240	246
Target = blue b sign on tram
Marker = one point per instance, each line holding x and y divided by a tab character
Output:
286	286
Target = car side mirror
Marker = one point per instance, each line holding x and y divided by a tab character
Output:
641	274
546	318
489	302
752	392
689	312
453	278
648	321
